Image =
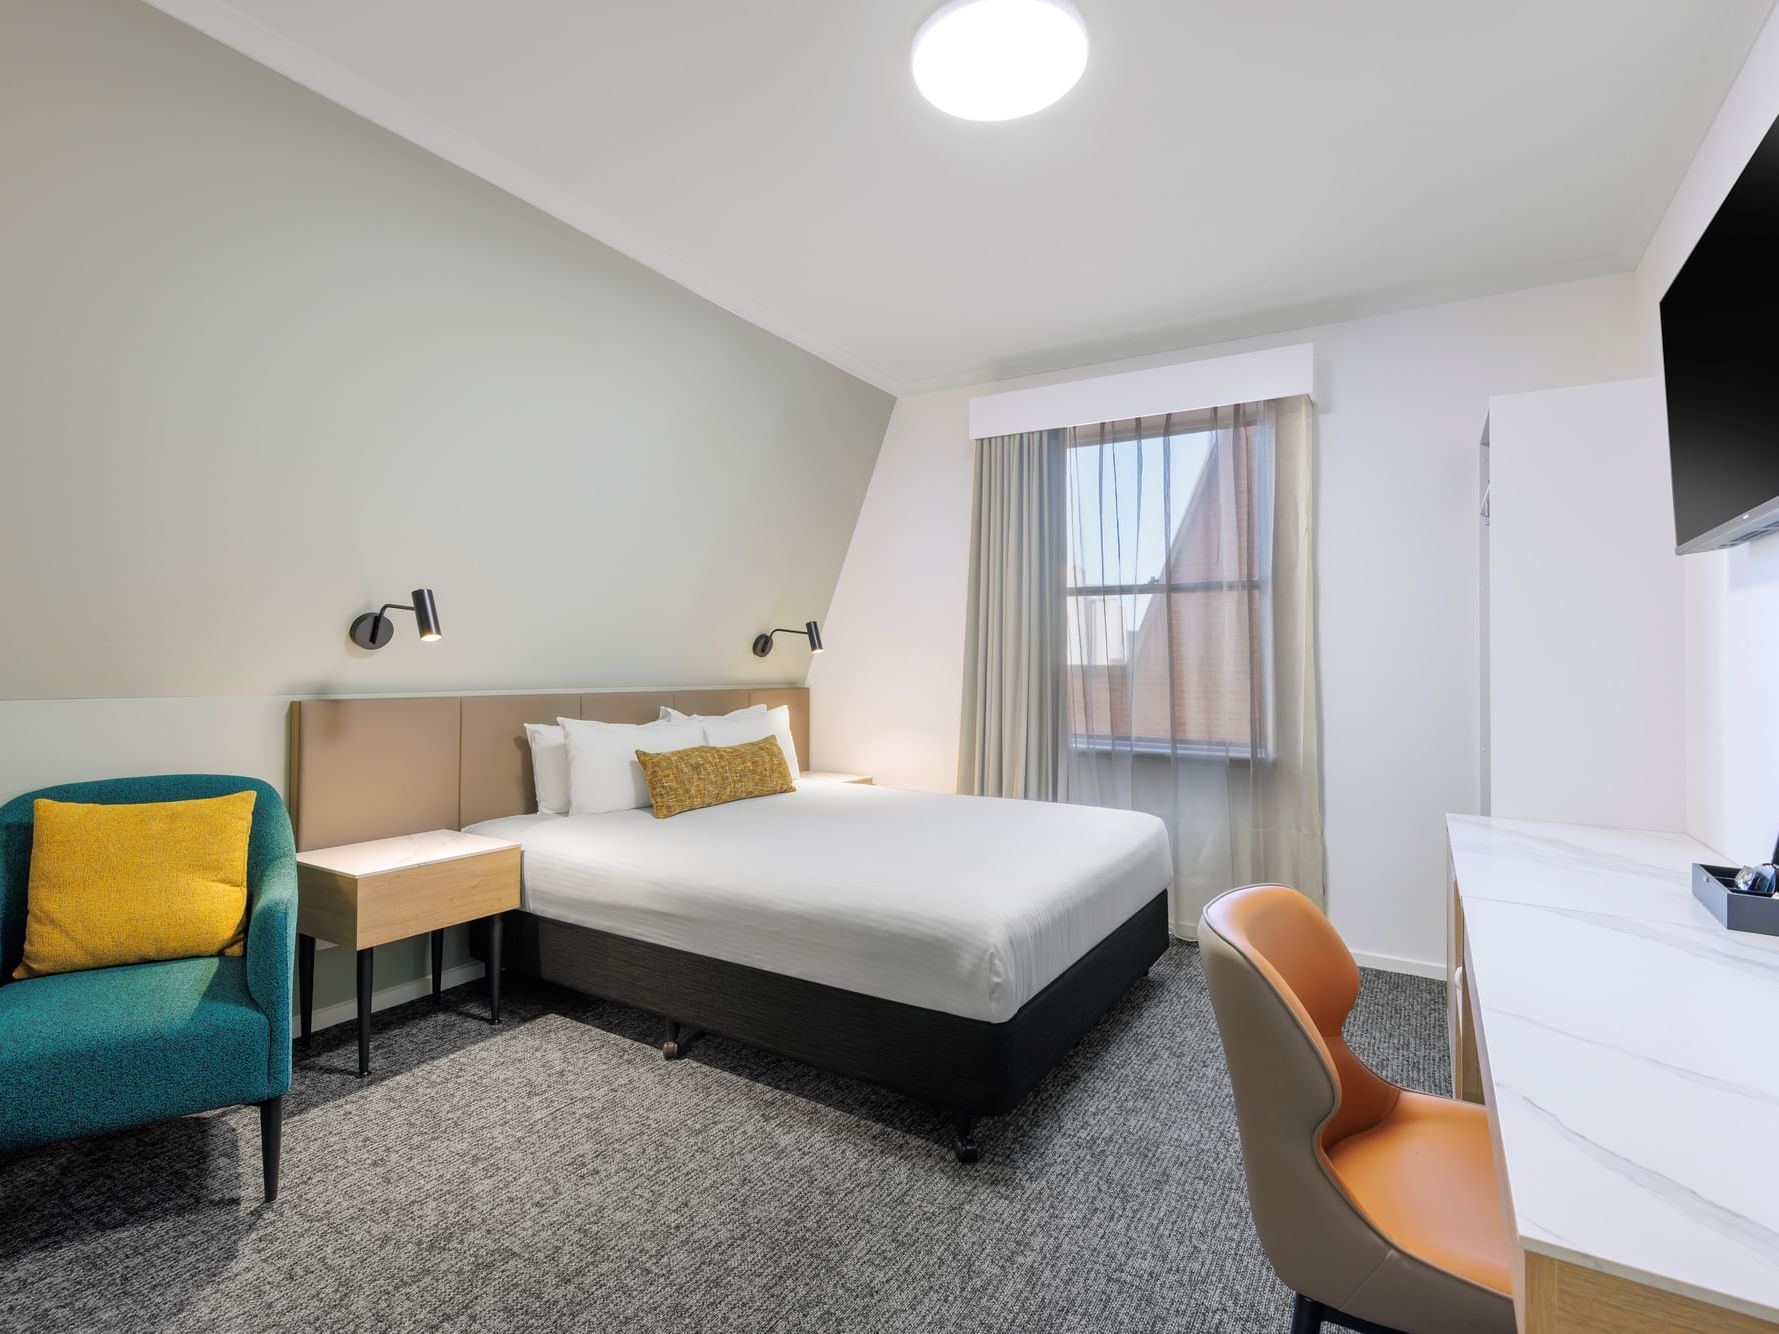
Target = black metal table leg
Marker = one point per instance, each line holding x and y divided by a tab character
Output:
438	965
494	969
364	1012
306	984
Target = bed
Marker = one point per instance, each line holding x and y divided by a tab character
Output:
953	948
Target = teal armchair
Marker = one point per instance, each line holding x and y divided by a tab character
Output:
99	1050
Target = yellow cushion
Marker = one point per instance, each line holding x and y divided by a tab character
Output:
684	780
132	884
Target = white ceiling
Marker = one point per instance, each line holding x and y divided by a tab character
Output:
1225	167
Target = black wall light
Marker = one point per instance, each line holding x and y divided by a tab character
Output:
763	643
373	629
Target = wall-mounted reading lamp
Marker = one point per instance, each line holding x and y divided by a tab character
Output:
373	629
763	643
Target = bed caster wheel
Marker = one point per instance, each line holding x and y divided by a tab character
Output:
965	1143
670	1051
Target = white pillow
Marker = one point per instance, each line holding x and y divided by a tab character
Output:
603	774
734	730
675	714
549	766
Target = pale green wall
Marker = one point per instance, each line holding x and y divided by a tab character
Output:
264	365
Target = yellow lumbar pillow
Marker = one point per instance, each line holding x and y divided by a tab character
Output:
132	884
685	780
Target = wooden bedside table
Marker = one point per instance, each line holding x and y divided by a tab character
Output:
833	776
362	895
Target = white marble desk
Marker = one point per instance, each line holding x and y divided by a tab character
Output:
1629	1059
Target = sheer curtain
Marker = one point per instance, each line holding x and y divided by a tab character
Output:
1190	641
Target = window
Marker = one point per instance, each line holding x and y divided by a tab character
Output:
1167	631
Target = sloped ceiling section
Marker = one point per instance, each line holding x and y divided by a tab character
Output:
1223	168
267	366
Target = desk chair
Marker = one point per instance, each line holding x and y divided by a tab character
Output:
1377	1206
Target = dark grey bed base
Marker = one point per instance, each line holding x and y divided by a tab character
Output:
968	1066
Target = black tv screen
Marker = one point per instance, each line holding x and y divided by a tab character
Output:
1720	350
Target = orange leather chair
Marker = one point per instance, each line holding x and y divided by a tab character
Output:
1378	1207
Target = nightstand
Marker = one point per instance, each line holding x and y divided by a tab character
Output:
362	895
832	776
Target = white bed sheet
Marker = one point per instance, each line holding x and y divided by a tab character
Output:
969	905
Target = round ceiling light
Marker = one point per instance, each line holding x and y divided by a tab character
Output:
999	59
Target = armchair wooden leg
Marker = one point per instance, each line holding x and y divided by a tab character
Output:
271	1142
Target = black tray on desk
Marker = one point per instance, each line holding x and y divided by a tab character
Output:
1739	912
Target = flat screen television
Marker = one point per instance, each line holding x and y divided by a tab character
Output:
1720	349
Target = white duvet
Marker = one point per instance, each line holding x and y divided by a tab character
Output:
969	905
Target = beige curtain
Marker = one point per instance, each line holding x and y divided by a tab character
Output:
1288	845
1014	730
1142	636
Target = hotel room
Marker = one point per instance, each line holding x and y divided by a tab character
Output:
1005	665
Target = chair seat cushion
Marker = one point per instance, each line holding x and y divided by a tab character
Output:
1425	1177
110	1047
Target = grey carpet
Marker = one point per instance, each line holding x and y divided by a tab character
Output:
555	1174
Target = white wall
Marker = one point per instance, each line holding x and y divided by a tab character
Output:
887	691
1400	406
1586	668
264	366
1732	597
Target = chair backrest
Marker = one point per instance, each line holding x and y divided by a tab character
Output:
264	843
1282	984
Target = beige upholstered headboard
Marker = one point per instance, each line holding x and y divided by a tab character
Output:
374	768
